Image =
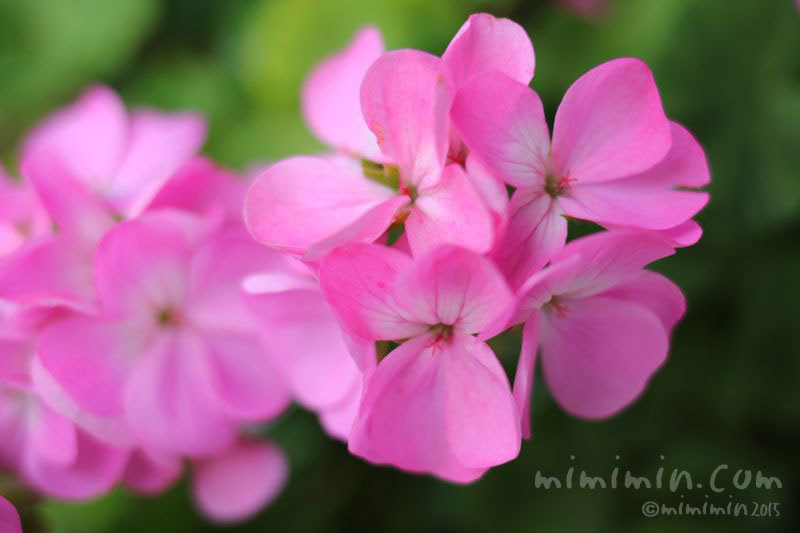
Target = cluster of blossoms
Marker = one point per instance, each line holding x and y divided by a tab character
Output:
144	331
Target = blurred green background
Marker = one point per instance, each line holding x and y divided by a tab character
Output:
727	69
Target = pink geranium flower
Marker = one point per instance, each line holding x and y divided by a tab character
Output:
440	402
22	217
405	97
614	158
173	349
600	322
9	519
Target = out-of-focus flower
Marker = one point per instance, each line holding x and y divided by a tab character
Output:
9	519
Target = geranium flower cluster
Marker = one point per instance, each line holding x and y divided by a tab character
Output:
143	331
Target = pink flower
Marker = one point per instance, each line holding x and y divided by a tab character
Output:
47	449
22	217
308	206
440	402
602	323
614	158
9	519
173	349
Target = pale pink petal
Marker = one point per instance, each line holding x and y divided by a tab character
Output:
502	122
430	406
331	96
303	200
158	145
654	292
338	420
489	44
356	280
535	231
238	483
75	211
9	519
168	404
52	437
492	191
523	379
149	473
90	359
367	228
403	99
452	286
318	366
610	124
244	382
450	212
89	135
96	469
599	353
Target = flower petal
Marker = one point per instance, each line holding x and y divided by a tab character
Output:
451	212
610	124
598	354
9	519
523	380
238	483
502	122
654	292
331	96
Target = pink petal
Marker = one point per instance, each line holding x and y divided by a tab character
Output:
610	124
452	286
404	104
356	280
492	191
90	359
9	519
168	403
331	96
430	406
318	367
158	145
599	353
244	382
654	292
523	380
451	212
148	473
488	44
89	135
52	437
94	472
303	200
237	484
502	122
535	231
338	420
74	210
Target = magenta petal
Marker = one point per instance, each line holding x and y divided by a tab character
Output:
88	360
331	96
523	380
356	281
303	200
489	44
599	353
149	473
403	104
9	519
89	135
318	367
452	286
654	292
451	212
238	483
502	122
52	437
610	124
432	408
244	381
535	231
168	404
74	210
158	145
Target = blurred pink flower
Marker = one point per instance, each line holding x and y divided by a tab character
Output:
9	519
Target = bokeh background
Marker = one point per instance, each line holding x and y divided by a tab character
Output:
727	69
